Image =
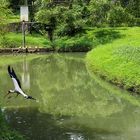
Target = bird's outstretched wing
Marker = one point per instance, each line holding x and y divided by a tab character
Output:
9	71
13	75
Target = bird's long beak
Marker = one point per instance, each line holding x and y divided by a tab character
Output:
30	97
33	98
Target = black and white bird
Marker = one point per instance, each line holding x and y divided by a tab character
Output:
17	85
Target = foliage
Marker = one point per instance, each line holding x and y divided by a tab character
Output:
118	16
98	12
71	19
88	40
118	61
73	44
133	7
108	13
66	20
4	11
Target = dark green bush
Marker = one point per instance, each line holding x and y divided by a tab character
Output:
69	30
137	21
118	16
73	44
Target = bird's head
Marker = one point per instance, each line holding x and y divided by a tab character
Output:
10	91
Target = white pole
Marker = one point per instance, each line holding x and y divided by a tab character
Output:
23	33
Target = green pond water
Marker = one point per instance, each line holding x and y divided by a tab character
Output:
72	103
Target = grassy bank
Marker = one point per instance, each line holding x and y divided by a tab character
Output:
87	40
76	43
90	38
13	40
119	61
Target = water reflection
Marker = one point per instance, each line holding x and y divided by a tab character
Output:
72	105
40	126
25	76
74	136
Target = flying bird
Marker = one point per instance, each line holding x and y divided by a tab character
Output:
17	85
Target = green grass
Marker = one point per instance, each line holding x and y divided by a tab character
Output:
77	43
119	60
81	42
13	40
13	18
91	38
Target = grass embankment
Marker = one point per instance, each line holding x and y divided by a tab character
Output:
91	38
76	43
119	61
13	40
14	18
81	42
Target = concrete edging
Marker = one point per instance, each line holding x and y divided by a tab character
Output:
25	50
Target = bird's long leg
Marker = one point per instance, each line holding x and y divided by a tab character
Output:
9	97
17	95
9	93
6	95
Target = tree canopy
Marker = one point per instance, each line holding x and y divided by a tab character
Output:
71	17
4	11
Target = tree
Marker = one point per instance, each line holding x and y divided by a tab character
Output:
71	18
4	11
118	16
4	14
98	12
67	19
133	7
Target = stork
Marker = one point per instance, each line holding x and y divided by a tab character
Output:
17	85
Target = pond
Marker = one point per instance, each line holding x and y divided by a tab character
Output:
72	103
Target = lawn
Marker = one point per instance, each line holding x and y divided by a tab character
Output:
12	40
14	18
118	61
90	38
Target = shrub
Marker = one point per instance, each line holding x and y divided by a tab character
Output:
73	44
118	16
